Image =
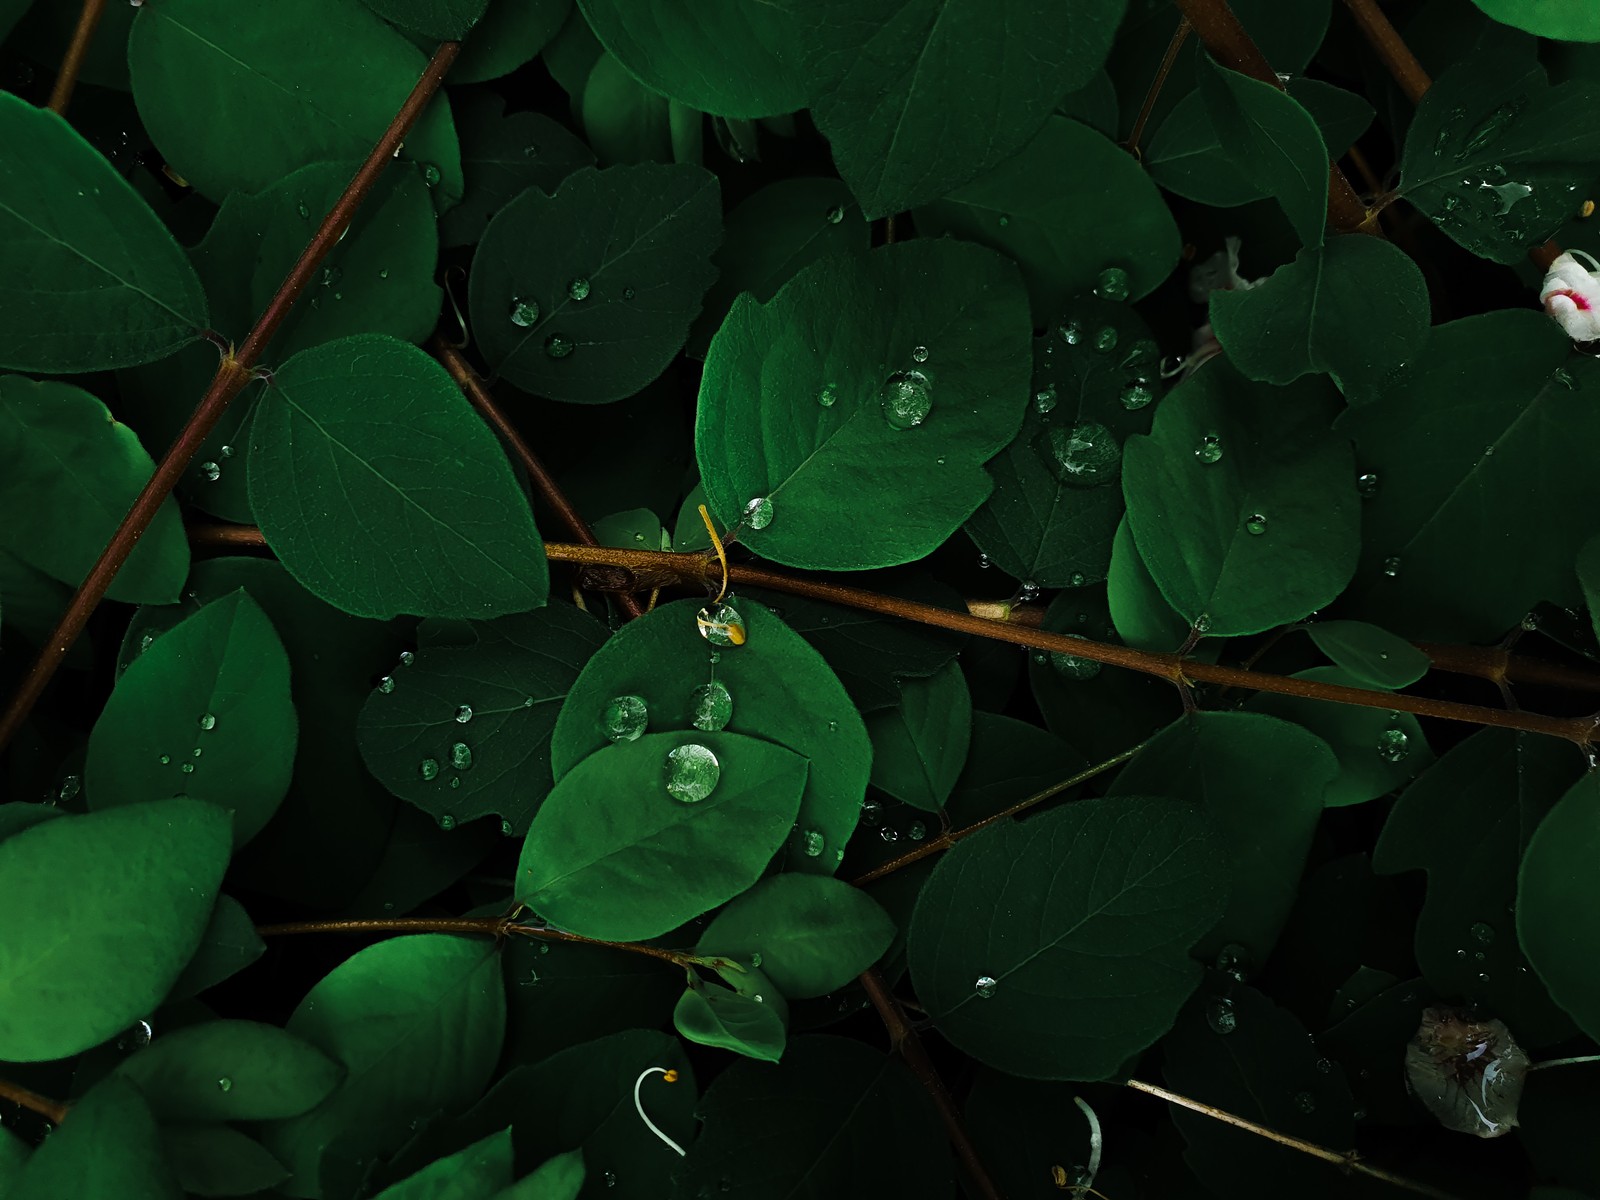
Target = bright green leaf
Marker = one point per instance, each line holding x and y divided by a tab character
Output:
1573	20
727	1020
1139	611
622	119
1374	656
110	1150
920	745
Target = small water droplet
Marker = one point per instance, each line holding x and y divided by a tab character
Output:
1210	449
429	769
1071	331
186	768
919	354
1202	623
916	831
446	822
407	658
383	273
524	312
1391	566
1565	378
304	211
1136	395
721	626
1305	1102
386	684
1506	195
712	706
1233	960
165	760
835	214
1529	623
1367	484
889	834
611	1179
431	175
146	642
1105	339
984	986
624	718
1220	1015
1112	284
557	346
692	773
1255	524
578	289
211	471
1073	666
983	562
627	293
907	399
813	842
828	395
71	785
224	1084
758	513
1045	399
331	275
1393	745
461	756
207	721
1087	455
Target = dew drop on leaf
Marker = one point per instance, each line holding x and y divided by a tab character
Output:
1391	566
1393	745
578	289
889	834
186	768
1073	666
1071	331
919	354
446	822
1112	284
524	312
1305	1102
916	831
758	513
1045	399
624	718
983	562
431	175
429	768
507	829
984	986
460	756
558	346
835	214
463	714
1087	455
907	399
1136	395
828	395
712	705
407	658
721	626
1210	449
1105	339
1482	933
1233	960
813	842
165	760
207	721
1255	524
1220	1015
386	684
692	773
224	1084
211	471
1367	484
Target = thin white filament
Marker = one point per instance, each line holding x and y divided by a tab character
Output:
638	1107
1095	1144
1594	265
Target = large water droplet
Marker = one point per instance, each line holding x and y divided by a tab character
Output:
211	471
463	714
461	756
835	214
1233	960
558	346
224	1084
1393	745
919	354
524	312
1045	399
758	513
578	289
721	626
984	986
692	773
916	831
207	721
624	718
386	684
813	842
1255	524
1112	284
1210	449
1087	455
828	395
1105	339
1136	395
429	769
712	705
1071	331
1220	1015
407	658
1507	194
907	399
1367	484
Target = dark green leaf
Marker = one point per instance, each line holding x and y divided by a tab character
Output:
835	1118
1056	206
906	93
587	295
720	56
920	745
1242	502
497	691
562	993
110	1150
890	378
607	852
228	946
72	473
1574	20
380	489
1475	447
475	1173
93	278
217	685
1466	822
1139	611
511	33
1557	902
416	1022
1274	143
781	691
1372	655
74	970
1355	307
744	1024
557	1178
623	120
1058	947
809	935
274	98
217	1160
437	20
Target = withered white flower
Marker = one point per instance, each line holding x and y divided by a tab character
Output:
1571	295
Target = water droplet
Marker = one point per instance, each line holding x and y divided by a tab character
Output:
627	293
431	175
758	513
305	213
813	842
186	768
146	642
611	1179
198	752
429	769
1393	745
1087	455
1529	623
1367	484
1045	399
1391	566
1305	1102
446	822
557	346
871	812
331	275
1255	524
984	986
1105	339
1210	449
1073	666
524	312
983	562
211	471
889	834
1220	1015
692	773
1506	195
578	289
1112	284
138	1037
1488	129
407	658
386	684
383	273
1483	933
721	626
828	395
836	214
1202	623
916	831
907	399
461	756
1071	331
1565	378
207	721
919	354
712	705
165	759
1233	960
1136	394
224	1084
624	718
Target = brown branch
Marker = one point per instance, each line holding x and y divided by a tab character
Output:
1230	45
233	373
51	1110
1348	1160
543	482
1153	93
1498	665
496	927
72	61
1385	39
904	1040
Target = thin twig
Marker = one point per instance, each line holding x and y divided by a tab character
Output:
51	1110
1575	1060
233	373
496	927
543	482
1153	93
904	1040
77	49
1348	1160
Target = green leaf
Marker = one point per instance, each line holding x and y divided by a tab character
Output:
622	119
501	157
216	685
509	678
1466	822
1139	612
1572	20
1056	206
810	935
110	1150
230	1071
1057	947
919	745
744	1024
794	402
14	1154
1495	156
511	33
228	946
1372	655
770	236
781	690
74	970
613	855
835	1118
1049	522
417	1023
1557	902
559	1177
94	280
1273	142
275	99
1355	307
475	1173
907	95
1261	781
382	492
721	56
72	473
588	294
1194	512
218	1160
438	20
1486	436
